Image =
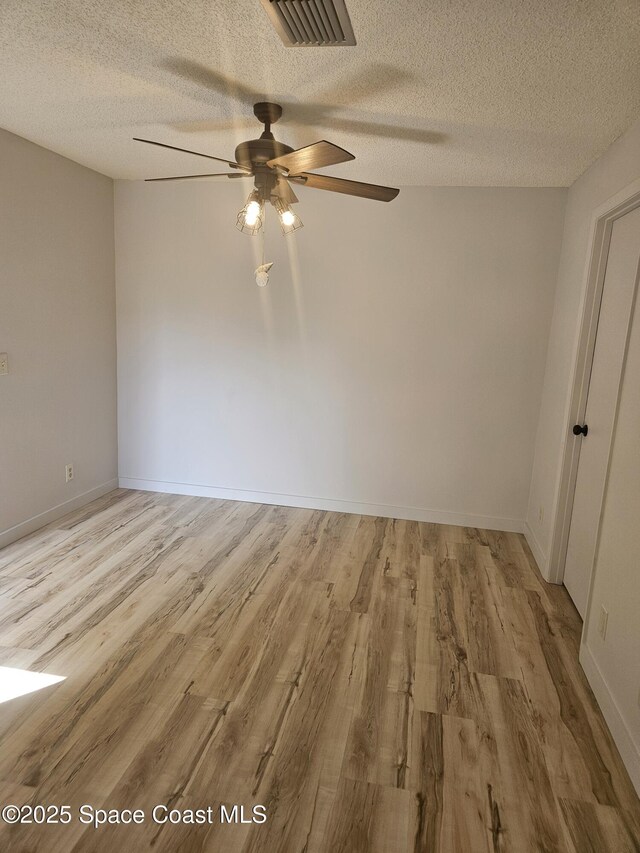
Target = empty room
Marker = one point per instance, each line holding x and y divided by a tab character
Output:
320	426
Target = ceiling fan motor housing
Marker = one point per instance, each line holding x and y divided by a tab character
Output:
256	152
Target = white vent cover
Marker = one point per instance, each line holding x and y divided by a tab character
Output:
311	23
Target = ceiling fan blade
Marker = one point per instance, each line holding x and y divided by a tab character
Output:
285	191
190	177
339	185
312	157
230	163
208	78
372	79
387	131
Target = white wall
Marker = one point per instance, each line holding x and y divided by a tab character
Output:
614	170
394	363
57	323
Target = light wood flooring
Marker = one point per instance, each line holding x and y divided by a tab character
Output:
377	685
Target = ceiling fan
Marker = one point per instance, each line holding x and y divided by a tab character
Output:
274	166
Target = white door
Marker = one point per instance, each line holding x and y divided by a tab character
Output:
615	587
608	360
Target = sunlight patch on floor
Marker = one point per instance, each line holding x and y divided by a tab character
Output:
18	682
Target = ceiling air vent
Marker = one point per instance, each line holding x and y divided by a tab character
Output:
311	23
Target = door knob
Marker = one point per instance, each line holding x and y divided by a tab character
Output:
580	430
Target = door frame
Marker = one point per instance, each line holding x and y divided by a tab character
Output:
597	255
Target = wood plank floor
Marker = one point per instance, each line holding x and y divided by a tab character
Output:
377	685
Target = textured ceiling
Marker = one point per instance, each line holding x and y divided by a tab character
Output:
460	92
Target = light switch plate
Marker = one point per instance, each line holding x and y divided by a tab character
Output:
4	363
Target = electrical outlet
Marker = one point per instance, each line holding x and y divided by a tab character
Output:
540	513
602	622
68	472
4	363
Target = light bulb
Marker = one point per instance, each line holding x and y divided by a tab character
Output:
289	221
252	213
250	217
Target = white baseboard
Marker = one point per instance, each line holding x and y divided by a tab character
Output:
536	549
410	513
629	750
37	521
